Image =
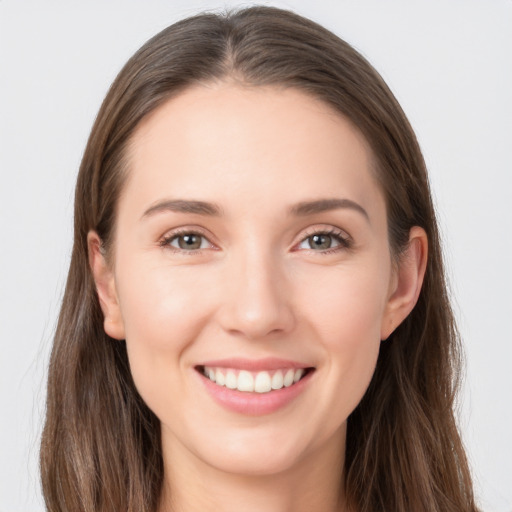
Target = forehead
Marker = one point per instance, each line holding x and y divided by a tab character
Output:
266	145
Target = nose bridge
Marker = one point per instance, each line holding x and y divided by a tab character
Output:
257	303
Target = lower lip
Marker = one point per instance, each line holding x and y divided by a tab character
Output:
255	404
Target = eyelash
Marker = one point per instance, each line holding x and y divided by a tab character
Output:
340	237
344	241
165	242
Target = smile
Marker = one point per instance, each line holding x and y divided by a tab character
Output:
255	387
254	382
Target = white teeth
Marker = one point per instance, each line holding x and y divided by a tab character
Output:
288	378
245	381
277	380
262	383
231	380
250	382
298	375
220	379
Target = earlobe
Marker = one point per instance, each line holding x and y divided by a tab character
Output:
407	282
105	287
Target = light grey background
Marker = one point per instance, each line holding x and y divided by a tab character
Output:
449	64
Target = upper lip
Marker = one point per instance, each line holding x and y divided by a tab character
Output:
255	365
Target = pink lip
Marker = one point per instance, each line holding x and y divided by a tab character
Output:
254	404
255	365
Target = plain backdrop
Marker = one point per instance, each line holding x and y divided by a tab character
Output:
448	62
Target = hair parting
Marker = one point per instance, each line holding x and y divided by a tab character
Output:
100	449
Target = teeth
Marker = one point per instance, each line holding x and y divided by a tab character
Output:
259	382
263	382
277	380
231	380
245	381
288	378
220	379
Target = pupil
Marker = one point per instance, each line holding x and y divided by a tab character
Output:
189	242
320	241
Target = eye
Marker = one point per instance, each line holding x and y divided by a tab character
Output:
325	241
186	241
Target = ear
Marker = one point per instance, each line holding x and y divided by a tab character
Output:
106	287
406	282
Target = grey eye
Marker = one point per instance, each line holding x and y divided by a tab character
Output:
189	242
323	241
320	241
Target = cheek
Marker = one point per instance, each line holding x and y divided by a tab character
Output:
163	313
345	315
345	306
161	306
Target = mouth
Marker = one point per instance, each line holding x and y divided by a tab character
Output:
263	381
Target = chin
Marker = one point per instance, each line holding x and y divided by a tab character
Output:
266	451
253	462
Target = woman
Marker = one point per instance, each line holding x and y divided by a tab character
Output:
256	315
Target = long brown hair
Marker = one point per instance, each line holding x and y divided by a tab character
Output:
101	448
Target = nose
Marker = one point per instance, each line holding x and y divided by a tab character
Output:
256	302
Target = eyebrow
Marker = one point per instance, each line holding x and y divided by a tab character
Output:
301	209
324	205
183	206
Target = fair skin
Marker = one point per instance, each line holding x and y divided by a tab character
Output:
257	275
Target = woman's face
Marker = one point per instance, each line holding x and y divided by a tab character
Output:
251	246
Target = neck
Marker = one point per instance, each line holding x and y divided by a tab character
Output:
314	483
